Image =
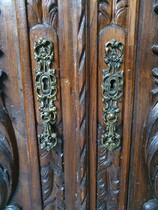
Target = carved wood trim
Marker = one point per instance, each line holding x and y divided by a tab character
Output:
112	166
112	24
42	12
72	23
43	22
151	138
8	157
112	12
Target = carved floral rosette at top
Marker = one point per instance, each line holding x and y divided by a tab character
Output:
112	91
46	90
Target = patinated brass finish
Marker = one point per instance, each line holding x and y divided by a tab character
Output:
46	90
112	91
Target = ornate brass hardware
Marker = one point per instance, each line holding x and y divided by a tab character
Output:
46	90
112	91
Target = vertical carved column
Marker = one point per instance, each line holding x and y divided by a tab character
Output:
151	137
73	51
43	24
82	103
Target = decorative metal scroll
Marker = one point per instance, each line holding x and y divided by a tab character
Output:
112	91
46	90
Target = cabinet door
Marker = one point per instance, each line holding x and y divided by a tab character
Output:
77	116
19	166
44	55
144	157
112	36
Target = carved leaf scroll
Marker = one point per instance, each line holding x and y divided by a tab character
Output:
107	176
112	12
45	11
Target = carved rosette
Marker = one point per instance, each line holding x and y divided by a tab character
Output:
112	91
46	89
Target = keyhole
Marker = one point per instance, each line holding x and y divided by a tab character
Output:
112	84
45	84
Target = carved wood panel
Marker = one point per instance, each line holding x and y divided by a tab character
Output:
150	136
111	35
9	165
20	142
43	24
69	96
142	186
73	58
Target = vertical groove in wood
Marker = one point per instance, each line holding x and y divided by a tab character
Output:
139	189
130	62
25	69
82	102
72	38
92	50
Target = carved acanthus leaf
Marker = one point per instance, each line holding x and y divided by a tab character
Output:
112	12
45	11
105	12
120	13
50	12
107	176
34	12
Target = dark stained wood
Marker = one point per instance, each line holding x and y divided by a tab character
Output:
93	48
25	70
51	163
9	166
116	20
17	96
140	188
130	52
79	172
72	50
